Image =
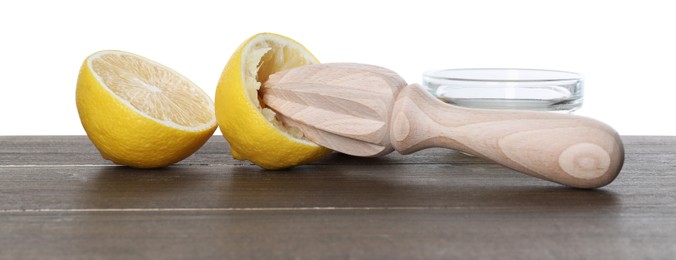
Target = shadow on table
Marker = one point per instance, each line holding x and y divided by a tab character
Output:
427	156
374	185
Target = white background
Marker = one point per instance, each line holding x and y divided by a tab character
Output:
625	49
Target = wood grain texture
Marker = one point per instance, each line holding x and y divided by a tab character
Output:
59	200
342	106
568	149
366	110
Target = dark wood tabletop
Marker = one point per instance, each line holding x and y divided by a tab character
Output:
60	200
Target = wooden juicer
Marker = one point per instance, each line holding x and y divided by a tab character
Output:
365	110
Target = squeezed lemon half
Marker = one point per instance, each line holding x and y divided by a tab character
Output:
140	113
251	129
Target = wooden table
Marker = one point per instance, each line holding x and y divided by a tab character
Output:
60	200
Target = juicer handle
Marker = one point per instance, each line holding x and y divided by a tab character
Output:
567	149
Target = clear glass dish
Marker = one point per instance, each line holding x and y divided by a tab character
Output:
529	89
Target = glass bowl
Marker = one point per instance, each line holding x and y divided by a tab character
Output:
502	88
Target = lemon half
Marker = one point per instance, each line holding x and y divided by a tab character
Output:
251	129
140	113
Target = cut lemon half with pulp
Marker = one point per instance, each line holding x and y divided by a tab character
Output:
140	113
251	129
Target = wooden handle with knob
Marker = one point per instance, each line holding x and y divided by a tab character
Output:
366	110
571	150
